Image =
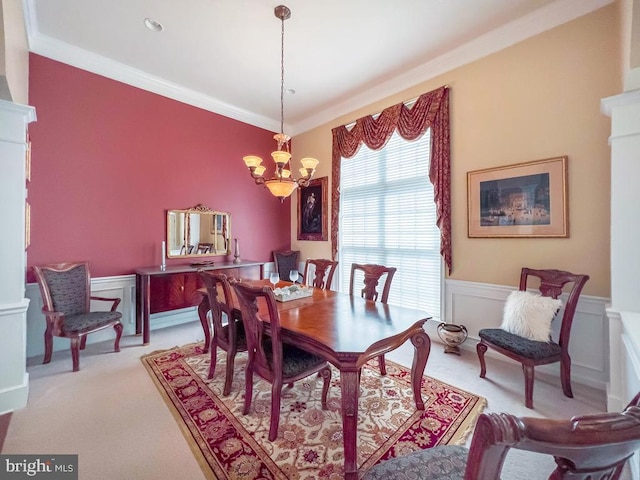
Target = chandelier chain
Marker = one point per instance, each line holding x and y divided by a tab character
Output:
282	78
283	183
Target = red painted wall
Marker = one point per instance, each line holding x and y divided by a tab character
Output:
108	161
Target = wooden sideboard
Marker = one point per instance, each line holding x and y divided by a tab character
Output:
177	286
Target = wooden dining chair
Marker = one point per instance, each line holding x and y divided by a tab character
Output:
285	261
323	271
66	298
544	351
277	362
372	274
587	447
228	329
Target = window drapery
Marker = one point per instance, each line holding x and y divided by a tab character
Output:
431	110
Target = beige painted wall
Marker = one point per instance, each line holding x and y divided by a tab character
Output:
14	72
537	99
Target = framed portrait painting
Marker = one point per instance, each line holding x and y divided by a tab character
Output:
521	200
312	210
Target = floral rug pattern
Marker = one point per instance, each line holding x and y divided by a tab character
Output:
233	446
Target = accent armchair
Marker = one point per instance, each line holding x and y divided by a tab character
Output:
66	298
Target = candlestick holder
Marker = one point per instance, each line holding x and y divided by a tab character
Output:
236	255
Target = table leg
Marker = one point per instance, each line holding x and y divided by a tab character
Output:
138	304
350	388
422	344
146	309
203	309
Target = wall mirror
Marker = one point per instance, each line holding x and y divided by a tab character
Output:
198	232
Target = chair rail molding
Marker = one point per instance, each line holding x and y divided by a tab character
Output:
480	305
474	305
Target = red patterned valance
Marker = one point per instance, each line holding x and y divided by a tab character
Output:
431	110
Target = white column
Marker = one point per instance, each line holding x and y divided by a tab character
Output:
14	380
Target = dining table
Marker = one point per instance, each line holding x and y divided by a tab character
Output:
348	331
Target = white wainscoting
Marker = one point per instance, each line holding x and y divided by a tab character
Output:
624	345
474	305
479	305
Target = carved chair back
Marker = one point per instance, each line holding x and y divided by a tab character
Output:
323	271
585	447
372	274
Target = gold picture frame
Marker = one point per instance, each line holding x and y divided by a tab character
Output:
27	161
521	200
27	225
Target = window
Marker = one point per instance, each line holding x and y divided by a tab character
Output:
388	217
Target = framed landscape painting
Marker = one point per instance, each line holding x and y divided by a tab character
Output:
312	210
520	200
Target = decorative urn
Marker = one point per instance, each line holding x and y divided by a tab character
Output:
452	335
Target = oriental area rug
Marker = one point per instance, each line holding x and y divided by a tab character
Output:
229	445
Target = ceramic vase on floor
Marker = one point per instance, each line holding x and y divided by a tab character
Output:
453	336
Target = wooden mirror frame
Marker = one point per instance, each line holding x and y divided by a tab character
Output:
214	228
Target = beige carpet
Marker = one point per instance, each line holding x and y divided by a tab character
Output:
309	446
111	409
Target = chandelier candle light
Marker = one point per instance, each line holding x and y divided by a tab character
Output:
281	185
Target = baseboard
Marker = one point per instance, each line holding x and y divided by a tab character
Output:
15	397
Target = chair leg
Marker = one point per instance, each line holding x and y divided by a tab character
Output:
83	342
565	377
75	353
228	379
203	314
116	344
325	373
481	348
528	385
276	393
248	389
382	364
214	357
48	345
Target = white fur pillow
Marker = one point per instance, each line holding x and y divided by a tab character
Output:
529	315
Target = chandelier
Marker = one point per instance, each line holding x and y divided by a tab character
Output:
282	184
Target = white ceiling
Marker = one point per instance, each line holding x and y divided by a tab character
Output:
340	55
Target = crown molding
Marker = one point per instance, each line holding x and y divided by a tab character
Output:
85	60
543	19
537	22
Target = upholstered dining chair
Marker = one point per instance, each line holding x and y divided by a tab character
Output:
66	298
323	271
286	261
531	352
372	274
228	329
277	362
584	448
